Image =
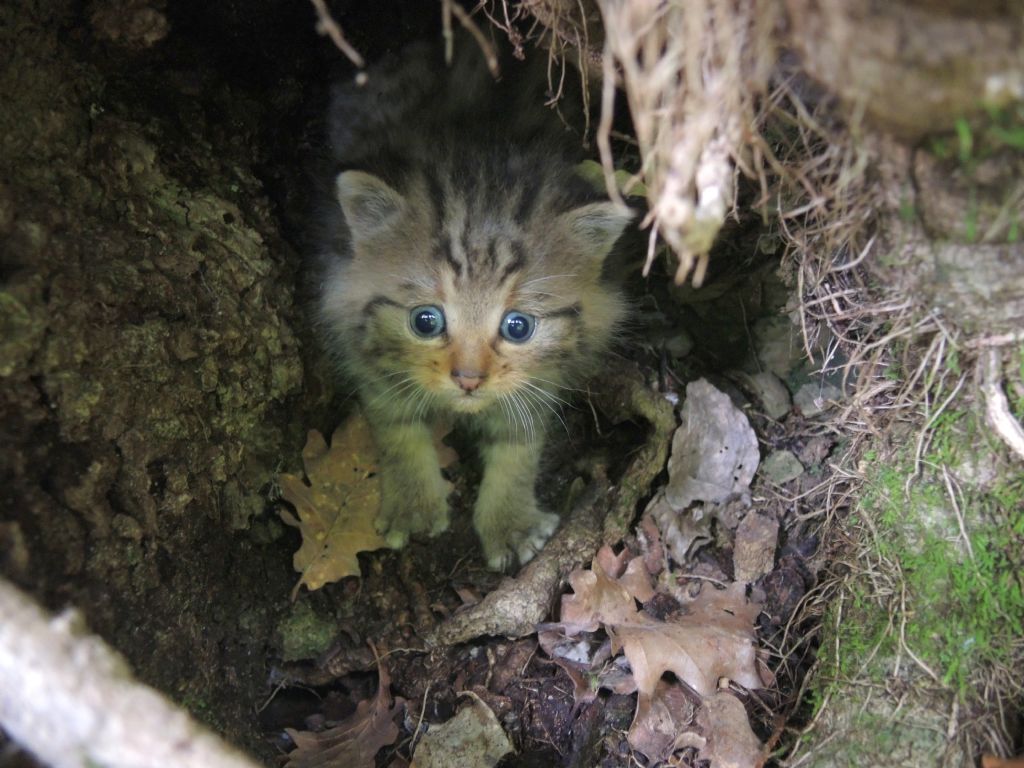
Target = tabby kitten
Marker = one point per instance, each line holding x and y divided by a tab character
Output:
461	278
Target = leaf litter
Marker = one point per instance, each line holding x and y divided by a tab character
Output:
634	622
714	457
707	643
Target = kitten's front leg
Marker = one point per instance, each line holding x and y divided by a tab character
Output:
506	515
414	495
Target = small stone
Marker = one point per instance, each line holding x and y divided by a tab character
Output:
680	345
756	540
814	398
769	390
781	467
778	344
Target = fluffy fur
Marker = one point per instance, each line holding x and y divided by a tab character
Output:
451	194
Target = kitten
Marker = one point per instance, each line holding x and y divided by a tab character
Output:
461	277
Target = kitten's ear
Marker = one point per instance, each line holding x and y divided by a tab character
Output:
368	203
596	226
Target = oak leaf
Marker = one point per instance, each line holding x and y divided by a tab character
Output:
337	507
730	742
711	640
715	639
355	741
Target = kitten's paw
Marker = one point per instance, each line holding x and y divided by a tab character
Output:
516	535
408	509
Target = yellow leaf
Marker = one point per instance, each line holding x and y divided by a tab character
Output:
337	507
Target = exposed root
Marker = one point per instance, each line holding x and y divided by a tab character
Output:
997	408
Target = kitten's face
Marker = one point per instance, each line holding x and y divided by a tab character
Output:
470	311
494	336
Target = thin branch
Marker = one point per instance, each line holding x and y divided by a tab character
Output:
451	8
326	25
71	700
997	407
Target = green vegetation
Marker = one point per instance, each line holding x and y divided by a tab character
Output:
957	600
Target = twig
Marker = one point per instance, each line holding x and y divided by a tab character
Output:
450	8
326	25
997	407
419	723
956	509
997	341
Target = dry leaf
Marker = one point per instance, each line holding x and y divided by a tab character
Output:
711	641
714	458
729	741
696	652
714	450
661	721
597	599
991	761
714	639
354	742
682	531
754	549
627	569
337	508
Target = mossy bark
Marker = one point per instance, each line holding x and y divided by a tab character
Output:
148	359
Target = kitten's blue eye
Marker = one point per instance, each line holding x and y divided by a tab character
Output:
517	327
427	321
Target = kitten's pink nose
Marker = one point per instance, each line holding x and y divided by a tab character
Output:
468	380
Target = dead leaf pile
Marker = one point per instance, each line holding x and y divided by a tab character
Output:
337	507
354	742
707	644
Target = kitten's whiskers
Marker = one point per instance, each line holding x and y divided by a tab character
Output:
543	398
543	278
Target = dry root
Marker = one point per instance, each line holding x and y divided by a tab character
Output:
691	72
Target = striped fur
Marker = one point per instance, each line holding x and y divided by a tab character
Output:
477	216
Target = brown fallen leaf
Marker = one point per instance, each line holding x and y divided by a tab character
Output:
662	722
354	742
597	599
730	743
337	507
699	652
991	761
629	570
711	640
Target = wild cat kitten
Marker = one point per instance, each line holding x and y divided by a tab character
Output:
461	277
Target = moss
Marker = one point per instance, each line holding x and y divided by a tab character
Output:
20	333
305	634
963	605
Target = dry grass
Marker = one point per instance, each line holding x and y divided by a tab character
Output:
691	73
905	367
